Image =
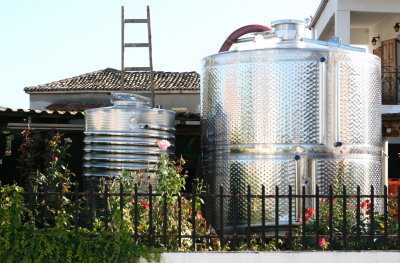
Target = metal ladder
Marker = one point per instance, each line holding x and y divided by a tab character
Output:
148	45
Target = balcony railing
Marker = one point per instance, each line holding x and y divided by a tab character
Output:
390	85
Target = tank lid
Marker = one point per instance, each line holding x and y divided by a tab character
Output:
129	99
288	21
288	29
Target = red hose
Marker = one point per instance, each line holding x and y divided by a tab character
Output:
240	32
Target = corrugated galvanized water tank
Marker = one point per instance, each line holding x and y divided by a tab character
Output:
124	136
285	110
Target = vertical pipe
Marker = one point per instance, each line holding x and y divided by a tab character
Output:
337	102
150	58
263	213
122	50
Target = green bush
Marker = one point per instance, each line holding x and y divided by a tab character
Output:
24	242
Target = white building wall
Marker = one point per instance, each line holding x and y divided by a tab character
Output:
384	29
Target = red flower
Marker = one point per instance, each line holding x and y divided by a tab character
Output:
396	215
368	202
145	205
307	217
322	242
328	217
286	234
363	205
368	212
310	211
299	219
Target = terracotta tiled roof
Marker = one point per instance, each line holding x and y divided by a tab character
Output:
109	79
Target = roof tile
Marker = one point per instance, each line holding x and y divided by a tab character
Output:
109	79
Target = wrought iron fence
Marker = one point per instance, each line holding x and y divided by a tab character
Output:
390	85
347	221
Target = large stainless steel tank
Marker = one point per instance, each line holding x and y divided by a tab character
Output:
285	110
124	136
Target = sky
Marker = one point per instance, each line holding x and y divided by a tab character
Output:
42	41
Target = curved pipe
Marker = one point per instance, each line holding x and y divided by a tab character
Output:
240	32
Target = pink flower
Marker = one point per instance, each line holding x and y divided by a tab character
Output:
163	144
328	217
68	140
199	216
322	242
55	158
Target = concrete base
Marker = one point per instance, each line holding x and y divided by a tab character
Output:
282	257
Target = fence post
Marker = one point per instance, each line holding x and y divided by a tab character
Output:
194	216
248	215
76	205
358	234
276	215
135	207
45	207
372	218
106	212
398	216
91	205
30	199
151	230
344	216
290	217
165	220
385	209
121	200
221	215
179	220
303	214
317	217
331	212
